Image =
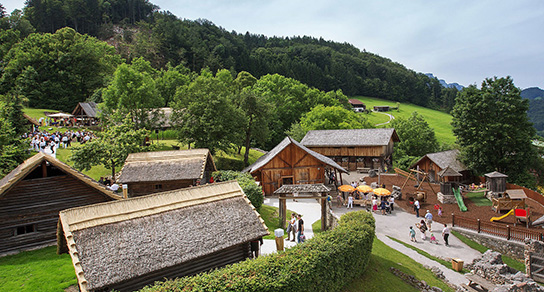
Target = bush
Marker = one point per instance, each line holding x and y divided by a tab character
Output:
225	163
324	263
253	191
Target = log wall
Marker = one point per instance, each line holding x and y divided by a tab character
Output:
34	205
146	188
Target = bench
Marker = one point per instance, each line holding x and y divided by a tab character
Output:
363	169
485	284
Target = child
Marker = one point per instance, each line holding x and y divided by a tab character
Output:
412	234
433	239
440	211
350	201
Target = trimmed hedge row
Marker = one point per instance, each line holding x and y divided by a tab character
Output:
326	262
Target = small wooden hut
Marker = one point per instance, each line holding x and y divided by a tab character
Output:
447	176
514	199
32	195
354	149
128	244
496	182
382	108
436	163
152	172
291	163
86	113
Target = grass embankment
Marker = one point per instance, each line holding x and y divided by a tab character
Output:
439	121
39	270
271	217
511	262
478	198
378	277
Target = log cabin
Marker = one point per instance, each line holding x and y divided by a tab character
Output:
435	163
86	113
355	149
152	172
128	244
291	163
32	195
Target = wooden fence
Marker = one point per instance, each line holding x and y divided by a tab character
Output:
530	193
507	232
536	267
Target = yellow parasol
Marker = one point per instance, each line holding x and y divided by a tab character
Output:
346	188
364	189
382	192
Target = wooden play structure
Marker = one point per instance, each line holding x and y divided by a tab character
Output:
420	194
523	216
513	199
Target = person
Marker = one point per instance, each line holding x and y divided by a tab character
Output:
391	203
416	207
255	247
446	234
350	201
440	211
101	180
412	234
107	181
301	237
383	206
329	201
374	204
291	227
339	200
429	219
383	186
423	229
433	239
353	184
114	187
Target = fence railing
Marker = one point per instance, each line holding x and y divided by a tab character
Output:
507	232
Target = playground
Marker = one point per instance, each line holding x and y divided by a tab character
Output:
478	207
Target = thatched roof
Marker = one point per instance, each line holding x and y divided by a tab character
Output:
516	194
445	159
302	189
88	109
349	138
495	174
263	160
166	165
116	241
21	171
448	171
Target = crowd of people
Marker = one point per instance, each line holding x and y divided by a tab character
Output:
41	140
426	225
295	227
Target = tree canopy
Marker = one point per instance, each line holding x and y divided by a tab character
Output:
493	130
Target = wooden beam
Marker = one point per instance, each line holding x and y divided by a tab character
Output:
44	169
323	215
283	210
300	159
299	198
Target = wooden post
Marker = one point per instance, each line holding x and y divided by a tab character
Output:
283	210
452	220
44	169
479	226
324	214
508	232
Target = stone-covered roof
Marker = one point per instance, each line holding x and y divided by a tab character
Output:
350	137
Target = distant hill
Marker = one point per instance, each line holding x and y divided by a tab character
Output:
445	84
532	93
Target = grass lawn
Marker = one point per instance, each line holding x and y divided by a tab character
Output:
37	113
439	121
316	227
378	277
478	199
511	262
271	217
39	270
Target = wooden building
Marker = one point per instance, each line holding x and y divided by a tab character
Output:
354	149
32	195
496	182
435	163
291	163
358	106
382	108
86	113
128	244
151	172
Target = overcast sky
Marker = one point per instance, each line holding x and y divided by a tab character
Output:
459	41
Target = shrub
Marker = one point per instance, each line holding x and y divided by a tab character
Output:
225	163
324	263
253	191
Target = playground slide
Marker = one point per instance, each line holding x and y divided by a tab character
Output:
459	199
511	212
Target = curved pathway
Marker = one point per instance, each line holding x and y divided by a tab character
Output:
391	117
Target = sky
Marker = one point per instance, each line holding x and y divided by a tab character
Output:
458	41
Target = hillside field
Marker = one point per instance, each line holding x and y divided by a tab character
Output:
439	121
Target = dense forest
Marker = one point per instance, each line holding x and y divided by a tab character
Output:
535	113
137	29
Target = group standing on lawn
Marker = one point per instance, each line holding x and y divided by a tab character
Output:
295	226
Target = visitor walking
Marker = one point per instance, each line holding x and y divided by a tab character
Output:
446	234
412	234
292	228
429	219
416	207
301	237
350	201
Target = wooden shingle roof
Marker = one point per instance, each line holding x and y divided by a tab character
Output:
89	109
495	174
166	165
445	159
350	137
117	241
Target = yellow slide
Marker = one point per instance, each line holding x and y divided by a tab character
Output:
511	212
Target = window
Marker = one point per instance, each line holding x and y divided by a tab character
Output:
25	229
158	187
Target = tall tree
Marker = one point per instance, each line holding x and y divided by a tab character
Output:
493	130
13	150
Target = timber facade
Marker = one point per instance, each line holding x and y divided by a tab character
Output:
355	149
32	196
434	163
291	163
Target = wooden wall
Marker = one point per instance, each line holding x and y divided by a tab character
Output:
291	166
426	165
146	188
36	202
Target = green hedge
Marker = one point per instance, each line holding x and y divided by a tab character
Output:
224	163
326	262
253	191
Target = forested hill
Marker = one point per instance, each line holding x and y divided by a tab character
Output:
535	113
138	29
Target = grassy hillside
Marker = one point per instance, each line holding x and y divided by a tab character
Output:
439	121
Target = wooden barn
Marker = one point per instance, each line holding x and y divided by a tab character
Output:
435	163
291	163
86	113
382	108
32	195
355	149
128	244
152	172
358	106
